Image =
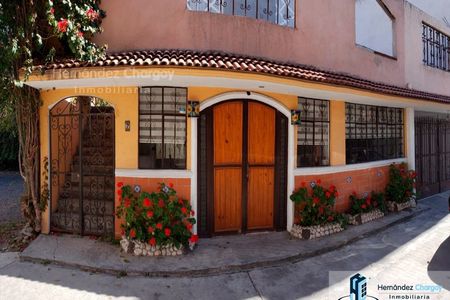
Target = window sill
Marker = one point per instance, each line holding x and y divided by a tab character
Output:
346	168
139	173
377	52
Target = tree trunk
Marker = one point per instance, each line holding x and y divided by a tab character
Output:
27	110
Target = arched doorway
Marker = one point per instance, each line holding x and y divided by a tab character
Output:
82	166
242	168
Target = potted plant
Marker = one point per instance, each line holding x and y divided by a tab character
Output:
315	216
155	224
400	190
367	208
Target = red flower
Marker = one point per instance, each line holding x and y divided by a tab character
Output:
316	200
62	25
120	184
184	210
330	219
132	233
327	194
192	213
159	226
152	241
321	210
150	229
52	11
188	226
119	198
80	34
161	203
193	239
119	192
332	188
146	202
363	206
127	202
149	214
171	185
167	232
414	175
91	14
354	193
368	201
303	184
318	181
180	201
122	232
336	194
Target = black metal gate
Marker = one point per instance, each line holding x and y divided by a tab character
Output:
432	135
82	166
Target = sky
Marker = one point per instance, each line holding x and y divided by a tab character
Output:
439	9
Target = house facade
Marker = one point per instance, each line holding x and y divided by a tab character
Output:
238	103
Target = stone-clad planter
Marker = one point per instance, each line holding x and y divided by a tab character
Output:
312	232
365	217
138	248
396	207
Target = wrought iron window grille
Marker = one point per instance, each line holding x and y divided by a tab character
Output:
162	127
313	133
373	133
436	48
281	12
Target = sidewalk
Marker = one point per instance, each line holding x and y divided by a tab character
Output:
219	255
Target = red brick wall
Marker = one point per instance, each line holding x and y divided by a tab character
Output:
181	185
360	181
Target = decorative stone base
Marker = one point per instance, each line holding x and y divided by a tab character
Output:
365	217
396	207
312	232
138	248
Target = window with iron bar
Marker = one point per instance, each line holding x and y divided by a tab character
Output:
162	128
373	133
313	133
436	48
281	12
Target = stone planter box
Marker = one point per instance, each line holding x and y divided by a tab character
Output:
312	232
396	207
365	217
138	248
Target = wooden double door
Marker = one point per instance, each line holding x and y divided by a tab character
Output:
244	192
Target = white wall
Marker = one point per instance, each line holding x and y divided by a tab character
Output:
374	27
417	75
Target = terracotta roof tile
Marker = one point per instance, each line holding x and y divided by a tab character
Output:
220	60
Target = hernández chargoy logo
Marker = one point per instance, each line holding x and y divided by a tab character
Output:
358	288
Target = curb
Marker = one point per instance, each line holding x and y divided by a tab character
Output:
227	269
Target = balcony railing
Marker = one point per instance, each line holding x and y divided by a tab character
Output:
436	48
281	12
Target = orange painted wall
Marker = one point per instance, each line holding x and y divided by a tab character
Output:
361	181
181	185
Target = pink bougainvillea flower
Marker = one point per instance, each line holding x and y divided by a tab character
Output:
152	241
91	14
52	11
159	226
62	25
167	232
149	214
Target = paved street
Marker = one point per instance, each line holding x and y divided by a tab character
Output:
415	252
